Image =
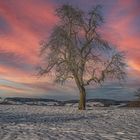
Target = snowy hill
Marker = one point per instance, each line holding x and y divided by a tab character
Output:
52	102
29	101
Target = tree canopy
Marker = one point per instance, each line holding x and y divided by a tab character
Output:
76	50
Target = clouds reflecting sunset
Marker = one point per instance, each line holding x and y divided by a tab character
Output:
23	24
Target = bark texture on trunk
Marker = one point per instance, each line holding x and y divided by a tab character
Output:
82	101
82	91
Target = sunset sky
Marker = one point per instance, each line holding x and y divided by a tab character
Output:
24	23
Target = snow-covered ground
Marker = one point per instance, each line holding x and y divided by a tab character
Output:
25	122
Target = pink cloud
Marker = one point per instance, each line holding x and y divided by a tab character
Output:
32	21
119	30
23	39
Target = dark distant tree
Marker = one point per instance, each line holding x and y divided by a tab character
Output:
137	93
75	50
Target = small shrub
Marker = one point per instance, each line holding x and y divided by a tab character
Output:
134	104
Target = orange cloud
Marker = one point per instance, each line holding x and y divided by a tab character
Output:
135	65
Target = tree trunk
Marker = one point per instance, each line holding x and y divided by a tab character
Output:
82	101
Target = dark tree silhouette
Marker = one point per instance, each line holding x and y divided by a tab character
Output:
75	50
137	93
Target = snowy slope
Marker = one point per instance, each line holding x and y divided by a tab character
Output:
25	122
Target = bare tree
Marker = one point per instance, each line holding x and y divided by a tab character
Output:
137	93
75	50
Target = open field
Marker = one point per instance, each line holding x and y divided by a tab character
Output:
25	122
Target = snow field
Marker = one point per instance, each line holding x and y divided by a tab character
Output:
25	122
